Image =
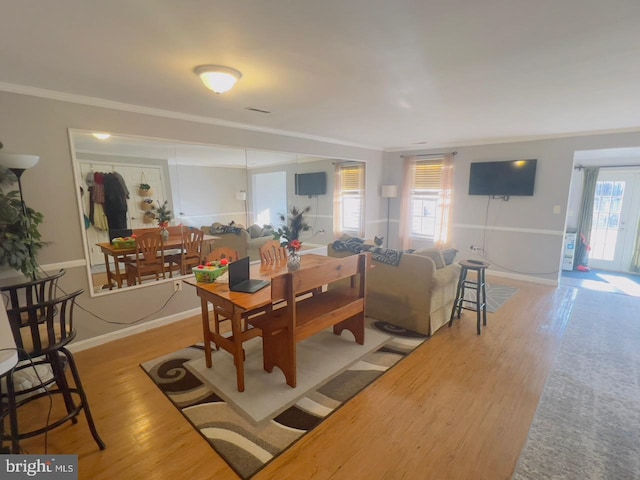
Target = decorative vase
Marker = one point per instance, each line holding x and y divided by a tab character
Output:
165	234
293	261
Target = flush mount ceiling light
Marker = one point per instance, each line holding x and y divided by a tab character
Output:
101	136
218	78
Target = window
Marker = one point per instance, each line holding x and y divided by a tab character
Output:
349	199
427	201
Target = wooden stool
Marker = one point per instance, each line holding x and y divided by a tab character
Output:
480	303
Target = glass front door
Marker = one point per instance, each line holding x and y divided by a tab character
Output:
615	218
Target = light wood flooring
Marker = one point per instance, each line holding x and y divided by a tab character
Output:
458	408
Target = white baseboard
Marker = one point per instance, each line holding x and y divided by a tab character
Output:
524	278
132	330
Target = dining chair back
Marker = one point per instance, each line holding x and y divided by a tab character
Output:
190	252
149	258
273	252
222	252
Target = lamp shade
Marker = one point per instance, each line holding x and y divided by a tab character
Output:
218	78
18	161
389	191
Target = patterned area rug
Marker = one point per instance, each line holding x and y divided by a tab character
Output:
246	445
497	295
587	425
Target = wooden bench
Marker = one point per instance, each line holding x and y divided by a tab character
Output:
298	318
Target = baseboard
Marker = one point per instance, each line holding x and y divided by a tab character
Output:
524	278
132	330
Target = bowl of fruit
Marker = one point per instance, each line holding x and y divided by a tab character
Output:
124	242
208	272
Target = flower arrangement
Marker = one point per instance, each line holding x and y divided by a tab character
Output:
290	231
163	214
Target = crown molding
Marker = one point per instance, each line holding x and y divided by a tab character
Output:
157	112
503	140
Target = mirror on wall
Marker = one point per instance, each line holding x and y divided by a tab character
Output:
201	184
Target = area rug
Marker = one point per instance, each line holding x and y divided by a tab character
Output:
587	425
228	424
497	295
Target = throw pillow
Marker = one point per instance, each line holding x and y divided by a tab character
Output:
434	254
267	231
449	255
254	231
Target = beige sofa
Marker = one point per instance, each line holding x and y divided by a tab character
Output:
415	294
246	241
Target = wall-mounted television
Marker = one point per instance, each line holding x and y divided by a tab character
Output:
513	177
311	183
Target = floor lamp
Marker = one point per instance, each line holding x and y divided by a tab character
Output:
242	196
18	163
389	192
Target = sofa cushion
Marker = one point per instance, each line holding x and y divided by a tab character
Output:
267	231
255	231
449	255
434	254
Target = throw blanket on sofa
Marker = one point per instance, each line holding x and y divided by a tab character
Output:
357	245
220	228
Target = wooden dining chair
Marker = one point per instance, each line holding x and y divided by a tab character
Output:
190	252
219	314
273	252
149	258
222	252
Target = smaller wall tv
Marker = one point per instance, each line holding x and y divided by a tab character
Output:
311	183
504	179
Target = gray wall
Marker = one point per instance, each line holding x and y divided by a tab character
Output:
522	237
35	125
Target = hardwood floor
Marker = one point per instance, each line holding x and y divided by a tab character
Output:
458	408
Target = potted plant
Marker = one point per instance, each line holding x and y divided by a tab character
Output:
289	234
144	190
19	235
163	215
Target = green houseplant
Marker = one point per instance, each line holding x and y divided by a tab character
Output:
163	214
20	239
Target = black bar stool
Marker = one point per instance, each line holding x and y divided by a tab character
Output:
479	304
41	332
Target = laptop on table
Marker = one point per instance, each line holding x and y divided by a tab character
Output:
239	280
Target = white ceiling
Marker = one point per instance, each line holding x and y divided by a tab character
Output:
385	74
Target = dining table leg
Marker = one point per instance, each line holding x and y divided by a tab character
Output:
109	274
238	351
206	331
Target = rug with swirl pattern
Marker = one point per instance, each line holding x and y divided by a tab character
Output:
248	445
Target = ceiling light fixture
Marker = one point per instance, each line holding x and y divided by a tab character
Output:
101	136
218	78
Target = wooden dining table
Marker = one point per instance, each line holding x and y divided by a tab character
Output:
237	304
120	254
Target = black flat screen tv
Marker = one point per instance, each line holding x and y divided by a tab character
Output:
513	177
311	183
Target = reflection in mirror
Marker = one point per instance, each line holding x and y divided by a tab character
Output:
239	191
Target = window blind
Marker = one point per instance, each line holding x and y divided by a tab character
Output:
428	175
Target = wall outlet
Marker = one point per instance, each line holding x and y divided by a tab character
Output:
177	285
475	248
